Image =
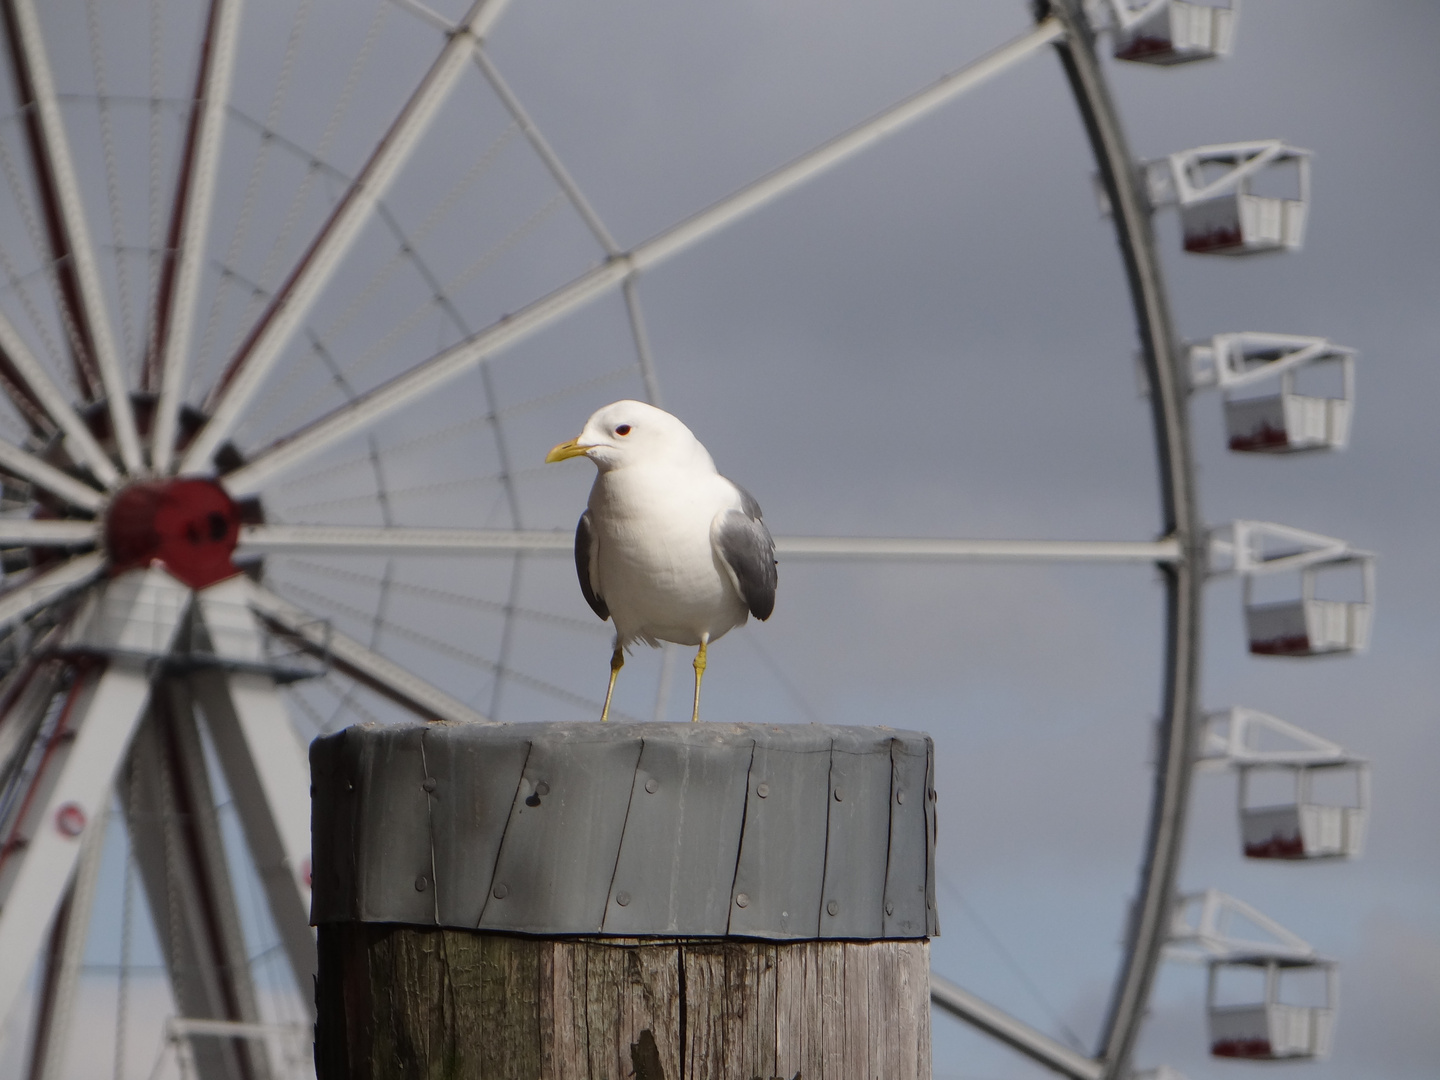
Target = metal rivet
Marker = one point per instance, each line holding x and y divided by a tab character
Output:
839	795
889	907
422	883
429	784
833	908
542	788
651	786
762	789
500	892
622	898
900	797
741	900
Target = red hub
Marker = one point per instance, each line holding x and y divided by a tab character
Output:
190	527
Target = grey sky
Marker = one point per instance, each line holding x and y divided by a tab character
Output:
933	339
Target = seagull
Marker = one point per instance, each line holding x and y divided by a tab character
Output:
669	549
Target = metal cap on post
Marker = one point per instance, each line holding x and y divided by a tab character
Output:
625	891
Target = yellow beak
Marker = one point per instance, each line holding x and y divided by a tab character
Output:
567	450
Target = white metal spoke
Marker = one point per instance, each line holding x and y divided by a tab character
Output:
78	438
262	349
49	587
73	785
77	236
440	369
1035	1045
180	280
826	547
40	532
25	464
384	676
342	539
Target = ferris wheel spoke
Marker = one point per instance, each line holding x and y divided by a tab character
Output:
174	308
385	677
32	382
428	376
42	532
69	234
361	539
263	347
49	587
24	464
1016	1034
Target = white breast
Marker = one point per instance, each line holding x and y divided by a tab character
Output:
657	569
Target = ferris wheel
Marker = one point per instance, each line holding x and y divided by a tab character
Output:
274	379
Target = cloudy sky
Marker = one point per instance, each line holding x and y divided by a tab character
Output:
931	340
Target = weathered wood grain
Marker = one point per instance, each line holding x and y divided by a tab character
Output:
419	1002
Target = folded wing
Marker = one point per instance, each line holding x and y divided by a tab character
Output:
746	548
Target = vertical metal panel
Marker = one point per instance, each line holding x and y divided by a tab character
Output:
932	921
392	835
905	901
682	835
476	776
558	855
782	853
333	762
852	904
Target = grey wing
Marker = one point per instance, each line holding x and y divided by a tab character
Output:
584	560
748	551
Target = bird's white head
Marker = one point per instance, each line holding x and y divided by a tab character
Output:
632	432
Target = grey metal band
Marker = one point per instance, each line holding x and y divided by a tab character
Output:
694	830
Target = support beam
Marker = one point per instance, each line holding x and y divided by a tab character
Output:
49	587
72	782
383	676
365	540
179	283
65	215
180	853
265	767
63	956
1035	1045
263	346
370	407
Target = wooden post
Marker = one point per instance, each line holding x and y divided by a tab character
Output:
656	901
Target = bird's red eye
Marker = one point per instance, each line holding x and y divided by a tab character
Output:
623	429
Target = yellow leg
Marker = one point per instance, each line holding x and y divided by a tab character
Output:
617	661
699	674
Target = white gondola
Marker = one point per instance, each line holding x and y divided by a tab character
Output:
1222	213
1304	623
1272	1028
1304	826
1319	806
1312	625
1269	996
1172	31
1286	421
